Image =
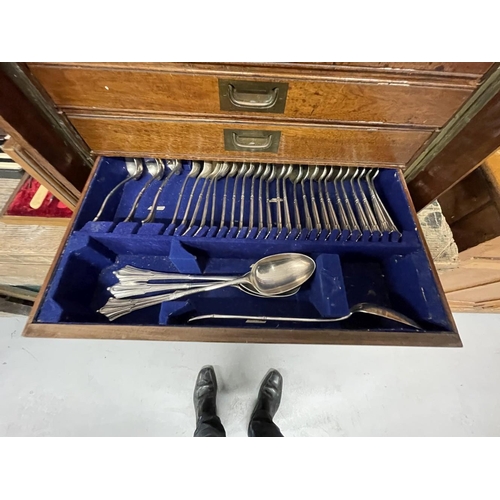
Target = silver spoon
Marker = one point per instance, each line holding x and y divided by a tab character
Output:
135	289
257	175
267	172
213	176
372	221
350	212
269	217
286	207
220	175
248	173
130	276
331	211
207	167
296	177
344	222
135	169
241	172
279	221
271	275
312	177
309	223
156	169
359	208
388	222
232	172
364	307
195	170
173	167
206	173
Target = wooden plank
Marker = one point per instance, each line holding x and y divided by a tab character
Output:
260	335
32	131
476	140
467	196
464	278
313	71
197	94
477	227
487	250
205	141
481	293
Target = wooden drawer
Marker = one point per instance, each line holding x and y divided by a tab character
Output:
201	139
341	96
395	272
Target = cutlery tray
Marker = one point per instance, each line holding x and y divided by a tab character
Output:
385	269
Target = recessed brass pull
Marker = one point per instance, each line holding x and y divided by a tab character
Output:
252	140
253	99
264	97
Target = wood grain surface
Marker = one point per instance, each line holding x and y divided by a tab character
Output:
33	132
205	140
478	139
198	94
261	335
437	74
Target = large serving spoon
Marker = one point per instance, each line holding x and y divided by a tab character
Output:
156	169
135	169
271	275
131	289
363	307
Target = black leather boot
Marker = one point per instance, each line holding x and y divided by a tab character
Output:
208	423
268	402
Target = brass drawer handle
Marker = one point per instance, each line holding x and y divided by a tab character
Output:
253	100
255	97
252	140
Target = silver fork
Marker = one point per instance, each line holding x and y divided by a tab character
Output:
265	175
286	208
269	217
241	173
314	174
248	173
232	172
331	211
257	175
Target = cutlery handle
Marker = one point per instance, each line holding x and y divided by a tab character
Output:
208	288
135	272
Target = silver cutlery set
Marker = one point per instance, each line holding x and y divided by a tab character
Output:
253	199
274	276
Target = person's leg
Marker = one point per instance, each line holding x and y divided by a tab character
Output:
208	424
268	401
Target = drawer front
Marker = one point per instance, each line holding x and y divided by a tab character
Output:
206	140
336	99
91	251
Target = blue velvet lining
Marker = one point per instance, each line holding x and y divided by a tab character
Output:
385	270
